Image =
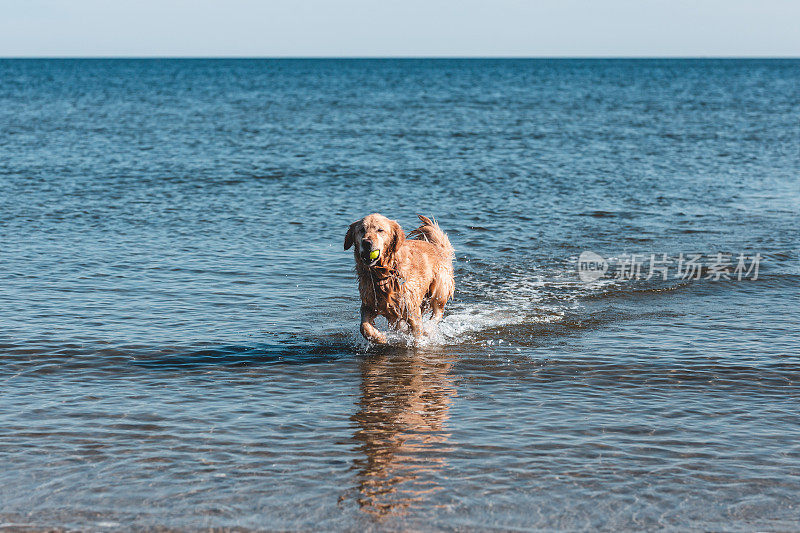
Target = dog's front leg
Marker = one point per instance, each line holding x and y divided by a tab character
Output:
415	321
368	330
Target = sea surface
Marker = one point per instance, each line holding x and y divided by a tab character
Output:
179	344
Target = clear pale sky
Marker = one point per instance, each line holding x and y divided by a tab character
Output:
400	28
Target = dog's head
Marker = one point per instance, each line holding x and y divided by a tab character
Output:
376	239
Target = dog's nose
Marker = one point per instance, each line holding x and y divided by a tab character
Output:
366	245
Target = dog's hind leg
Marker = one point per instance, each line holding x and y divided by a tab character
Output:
368	329
441	291
437	311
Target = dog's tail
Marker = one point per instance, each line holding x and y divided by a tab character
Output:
431	232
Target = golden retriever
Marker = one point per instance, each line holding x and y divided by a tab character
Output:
398	277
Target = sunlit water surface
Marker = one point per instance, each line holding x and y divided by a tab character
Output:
179	343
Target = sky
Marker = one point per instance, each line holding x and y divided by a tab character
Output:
370	28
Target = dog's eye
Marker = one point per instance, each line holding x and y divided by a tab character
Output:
380	230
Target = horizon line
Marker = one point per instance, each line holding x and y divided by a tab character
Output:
399	57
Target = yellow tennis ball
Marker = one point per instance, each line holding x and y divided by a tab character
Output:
373	255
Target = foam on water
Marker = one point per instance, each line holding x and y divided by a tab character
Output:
538	297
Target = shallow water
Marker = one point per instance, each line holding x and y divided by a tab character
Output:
179	344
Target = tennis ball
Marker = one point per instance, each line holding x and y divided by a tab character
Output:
373	255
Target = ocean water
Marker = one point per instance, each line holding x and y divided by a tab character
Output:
179	343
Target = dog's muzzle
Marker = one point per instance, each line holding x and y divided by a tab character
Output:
371	256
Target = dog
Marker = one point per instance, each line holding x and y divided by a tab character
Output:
400	277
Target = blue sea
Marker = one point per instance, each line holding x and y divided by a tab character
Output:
179	341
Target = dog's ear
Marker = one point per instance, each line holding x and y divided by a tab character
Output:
350	236
398	237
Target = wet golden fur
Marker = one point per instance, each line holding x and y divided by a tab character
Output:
410	276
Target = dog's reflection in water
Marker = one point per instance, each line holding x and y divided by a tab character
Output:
401	426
